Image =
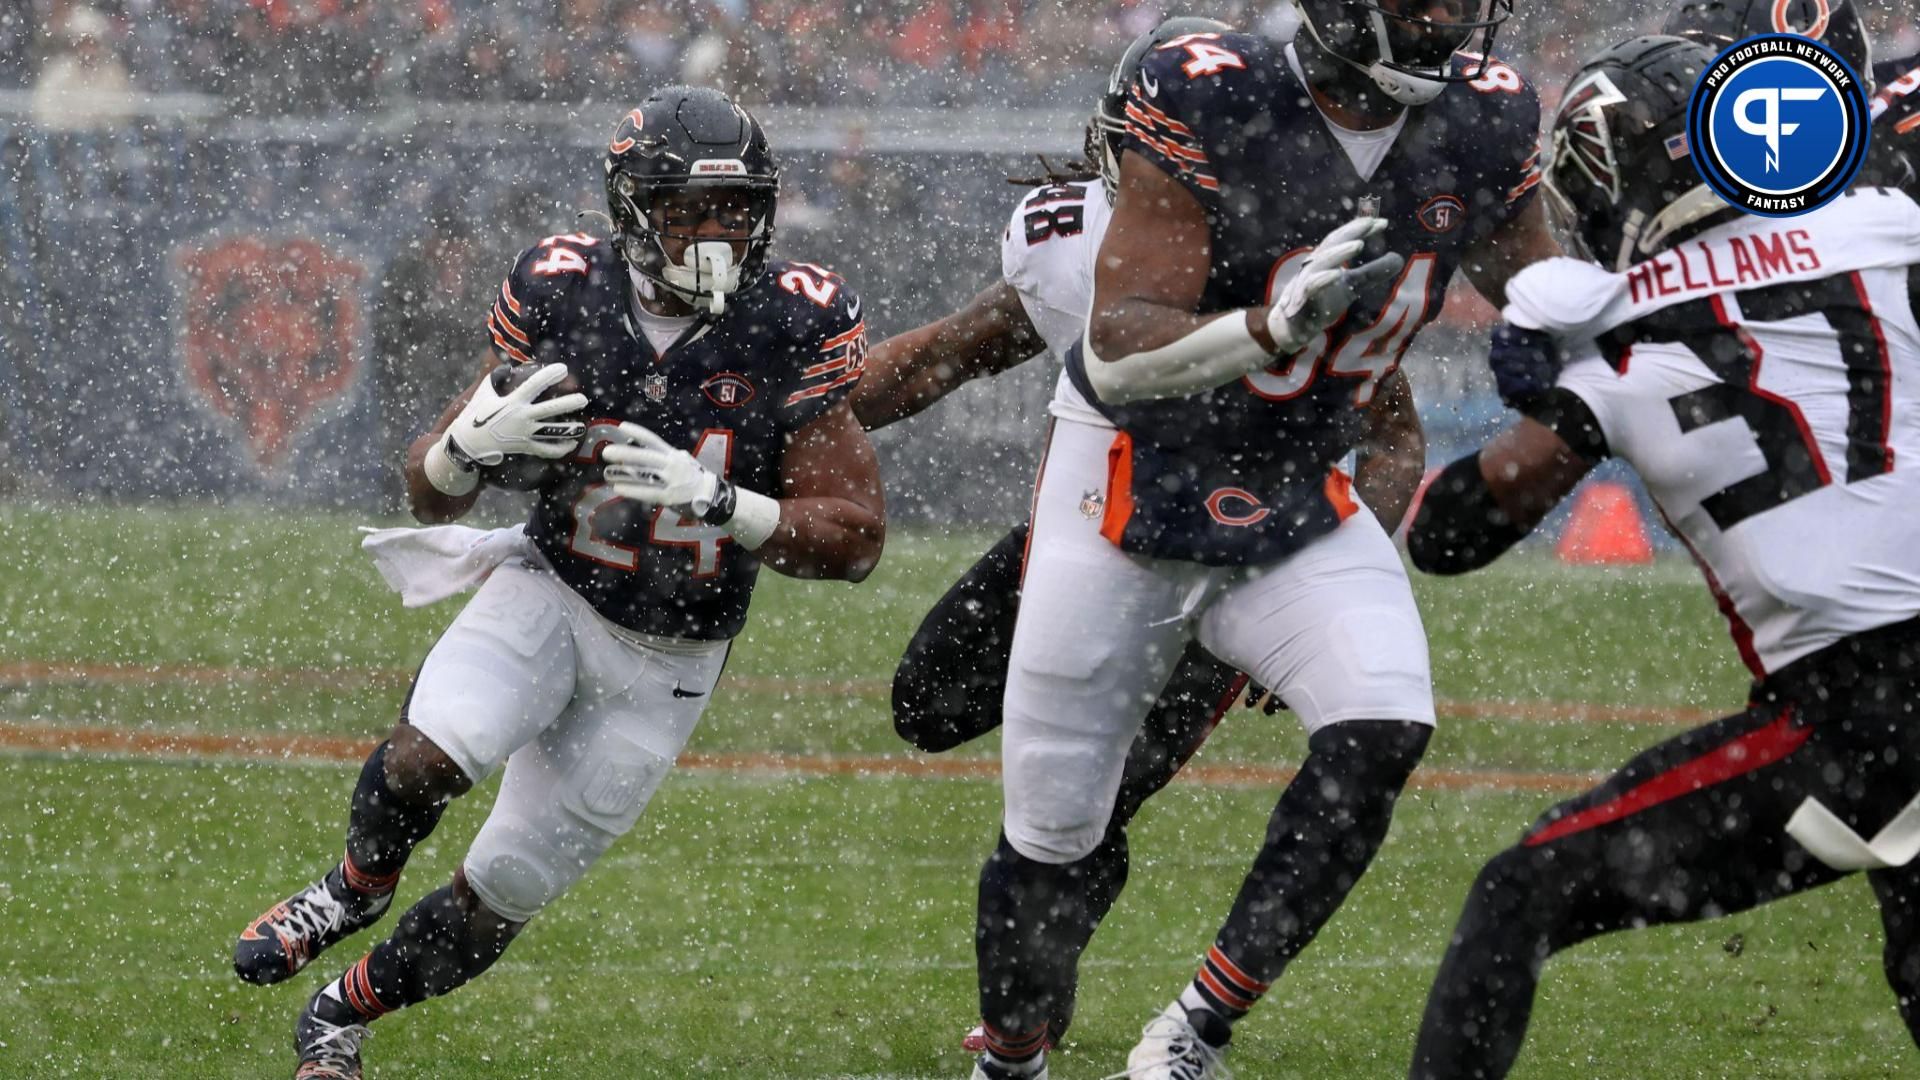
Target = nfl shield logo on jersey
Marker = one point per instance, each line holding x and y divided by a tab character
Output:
1092	504
656	387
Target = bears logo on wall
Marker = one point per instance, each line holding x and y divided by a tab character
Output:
271	333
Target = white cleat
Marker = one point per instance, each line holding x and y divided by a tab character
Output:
1169	1049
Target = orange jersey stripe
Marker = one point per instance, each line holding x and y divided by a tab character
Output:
1113	524
1160	117
825	368
506	323
506	293
508	348
1339	491
1143	121
841	339
496	326
817	391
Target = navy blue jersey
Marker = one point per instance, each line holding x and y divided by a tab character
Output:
731	390
1895	159
1245	473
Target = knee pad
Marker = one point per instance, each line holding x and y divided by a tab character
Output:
537	843
1055	844
1060	797
518	870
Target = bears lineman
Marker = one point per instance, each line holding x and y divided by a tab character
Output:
951	681
717	438
1763	377
1232	355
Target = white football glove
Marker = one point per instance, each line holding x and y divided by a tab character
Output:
646	468
492	426
1324	289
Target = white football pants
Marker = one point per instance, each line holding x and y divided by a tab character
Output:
1333	629
588	720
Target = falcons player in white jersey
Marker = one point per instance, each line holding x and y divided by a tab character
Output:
952	679
1763	377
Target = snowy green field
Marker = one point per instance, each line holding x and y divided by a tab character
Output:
769	925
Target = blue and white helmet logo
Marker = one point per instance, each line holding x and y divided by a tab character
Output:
1779	125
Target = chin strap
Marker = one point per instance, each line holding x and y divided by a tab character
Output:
1402	86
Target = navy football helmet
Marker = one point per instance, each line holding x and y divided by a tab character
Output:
1400	44
1621	184
1719	23
690	138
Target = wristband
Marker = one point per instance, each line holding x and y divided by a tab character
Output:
720	507
446	472
750	516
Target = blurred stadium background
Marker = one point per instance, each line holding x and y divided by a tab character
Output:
247	235
242	240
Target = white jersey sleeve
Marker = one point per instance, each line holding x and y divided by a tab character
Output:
1778	425
1047	256
1872	228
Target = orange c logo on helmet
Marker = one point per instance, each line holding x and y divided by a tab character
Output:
621	145
1217	507
1820	22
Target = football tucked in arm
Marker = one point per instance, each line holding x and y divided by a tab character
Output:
526	472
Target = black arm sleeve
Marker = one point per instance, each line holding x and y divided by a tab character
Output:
1459	527
1564	414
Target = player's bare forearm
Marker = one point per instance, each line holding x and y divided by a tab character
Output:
1153	266
1509	249
833	517
1528	469
1484	503
1392	453
825	538
429	504
910	371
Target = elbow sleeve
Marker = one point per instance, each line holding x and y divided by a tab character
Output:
1459	527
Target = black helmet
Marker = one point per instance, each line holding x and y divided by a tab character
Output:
1409	57
1717	24
685	137
1621	181
1108	127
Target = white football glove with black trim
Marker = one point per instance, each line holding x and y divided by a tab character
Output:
1324	289
646	468
494	425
